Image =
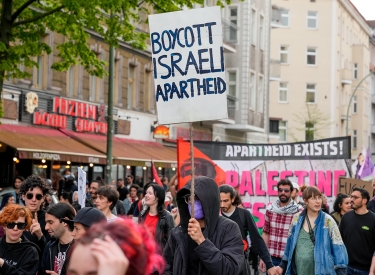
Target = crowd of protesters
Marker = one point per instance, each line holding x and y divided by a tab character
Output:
126	229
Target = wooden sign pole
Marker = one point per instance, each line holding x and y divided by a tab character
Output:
192	170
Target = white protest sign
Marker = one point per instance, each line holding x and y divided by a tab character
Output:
188	65
81	187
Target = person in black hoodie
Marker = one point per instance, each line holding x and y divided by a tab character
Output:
33	190
208	243
18	256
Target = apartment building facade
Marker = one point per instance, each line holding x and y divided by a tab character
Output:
324	52
372	87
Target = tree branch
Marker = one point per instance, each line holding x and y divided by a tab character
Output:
36	18
21	9
140	3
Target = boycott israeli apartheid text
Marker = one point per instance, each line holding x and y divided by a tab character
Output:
188	65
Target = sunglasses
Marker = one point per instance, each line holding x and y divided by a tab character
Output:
286	190
20	225
29	196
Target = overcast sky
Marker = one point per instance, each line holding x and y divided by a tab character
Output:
366	8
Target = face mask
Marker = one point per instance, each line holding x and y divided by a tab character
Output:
198	210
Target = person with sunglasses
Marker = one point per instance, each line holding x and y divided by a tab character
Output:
357	229
314	244
17	254
277	222
33	191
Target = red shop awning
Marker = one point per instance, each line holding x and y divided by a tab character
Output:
50	144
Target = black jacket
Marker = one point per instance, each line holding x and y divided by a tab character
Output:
41	243
19	258
258	246
163	227
47	262
222	251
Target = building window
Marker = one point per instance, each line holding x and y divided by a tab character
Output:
285	18
310	93
149	90
354	139
284	54
39	72
274	126
283	92
93	88
252	91
70	86
261	32
253	27
312	20
282	131
232	94
355	104
260	95
309	131
311	56
355	71
234	20
131	86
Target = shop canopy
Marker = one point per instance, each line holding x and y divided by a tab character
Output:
49	144
128	151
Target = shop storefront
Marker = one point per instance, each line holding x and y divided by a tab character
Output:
54	134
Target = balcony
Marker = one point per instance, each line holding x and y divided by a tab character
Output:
229	36
346	77
275	69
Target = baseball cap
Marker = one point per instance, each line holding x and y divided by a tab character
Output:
295	185
87	216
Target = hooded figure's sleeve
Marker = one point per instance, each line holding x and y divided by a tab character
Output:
28	265
229	259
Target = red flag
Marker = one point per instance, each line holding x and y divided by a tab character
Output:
155	174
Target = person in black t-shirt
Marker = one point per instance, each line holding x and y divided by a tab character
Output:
122	190
54	260
246	224
357	229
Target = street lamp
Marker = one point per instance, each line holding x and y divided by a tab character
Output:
350	101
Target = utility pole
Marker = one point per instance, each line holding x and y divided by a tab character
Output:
110	113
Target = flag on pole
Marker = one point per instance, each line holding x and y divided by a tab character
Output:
155	174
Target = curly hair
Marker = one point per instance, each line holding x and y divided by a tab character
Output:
134	240
34	181
12	212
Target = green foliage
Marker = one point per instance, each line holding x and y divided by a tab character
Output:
22	29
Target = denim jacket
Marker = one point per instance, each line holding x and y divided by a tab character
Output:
330	253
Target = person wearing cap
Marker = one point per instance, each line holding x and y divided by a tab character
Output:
294	194
85	218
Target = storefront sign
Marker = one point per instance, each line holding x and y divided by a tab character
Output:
161	131
197	134
88	117
93	160
37	155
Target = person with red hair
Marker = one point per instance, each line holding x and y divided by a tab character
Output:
117	248
18	255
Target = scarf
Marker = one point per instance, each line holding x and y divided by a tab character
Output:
291	208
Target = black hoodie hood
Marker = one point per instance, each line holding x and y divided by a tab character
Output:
207	191
14	252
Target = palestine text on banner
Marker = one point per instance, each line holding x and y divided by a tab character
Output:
188	65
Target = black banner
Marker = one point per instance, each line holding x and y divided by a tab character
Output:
331	148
